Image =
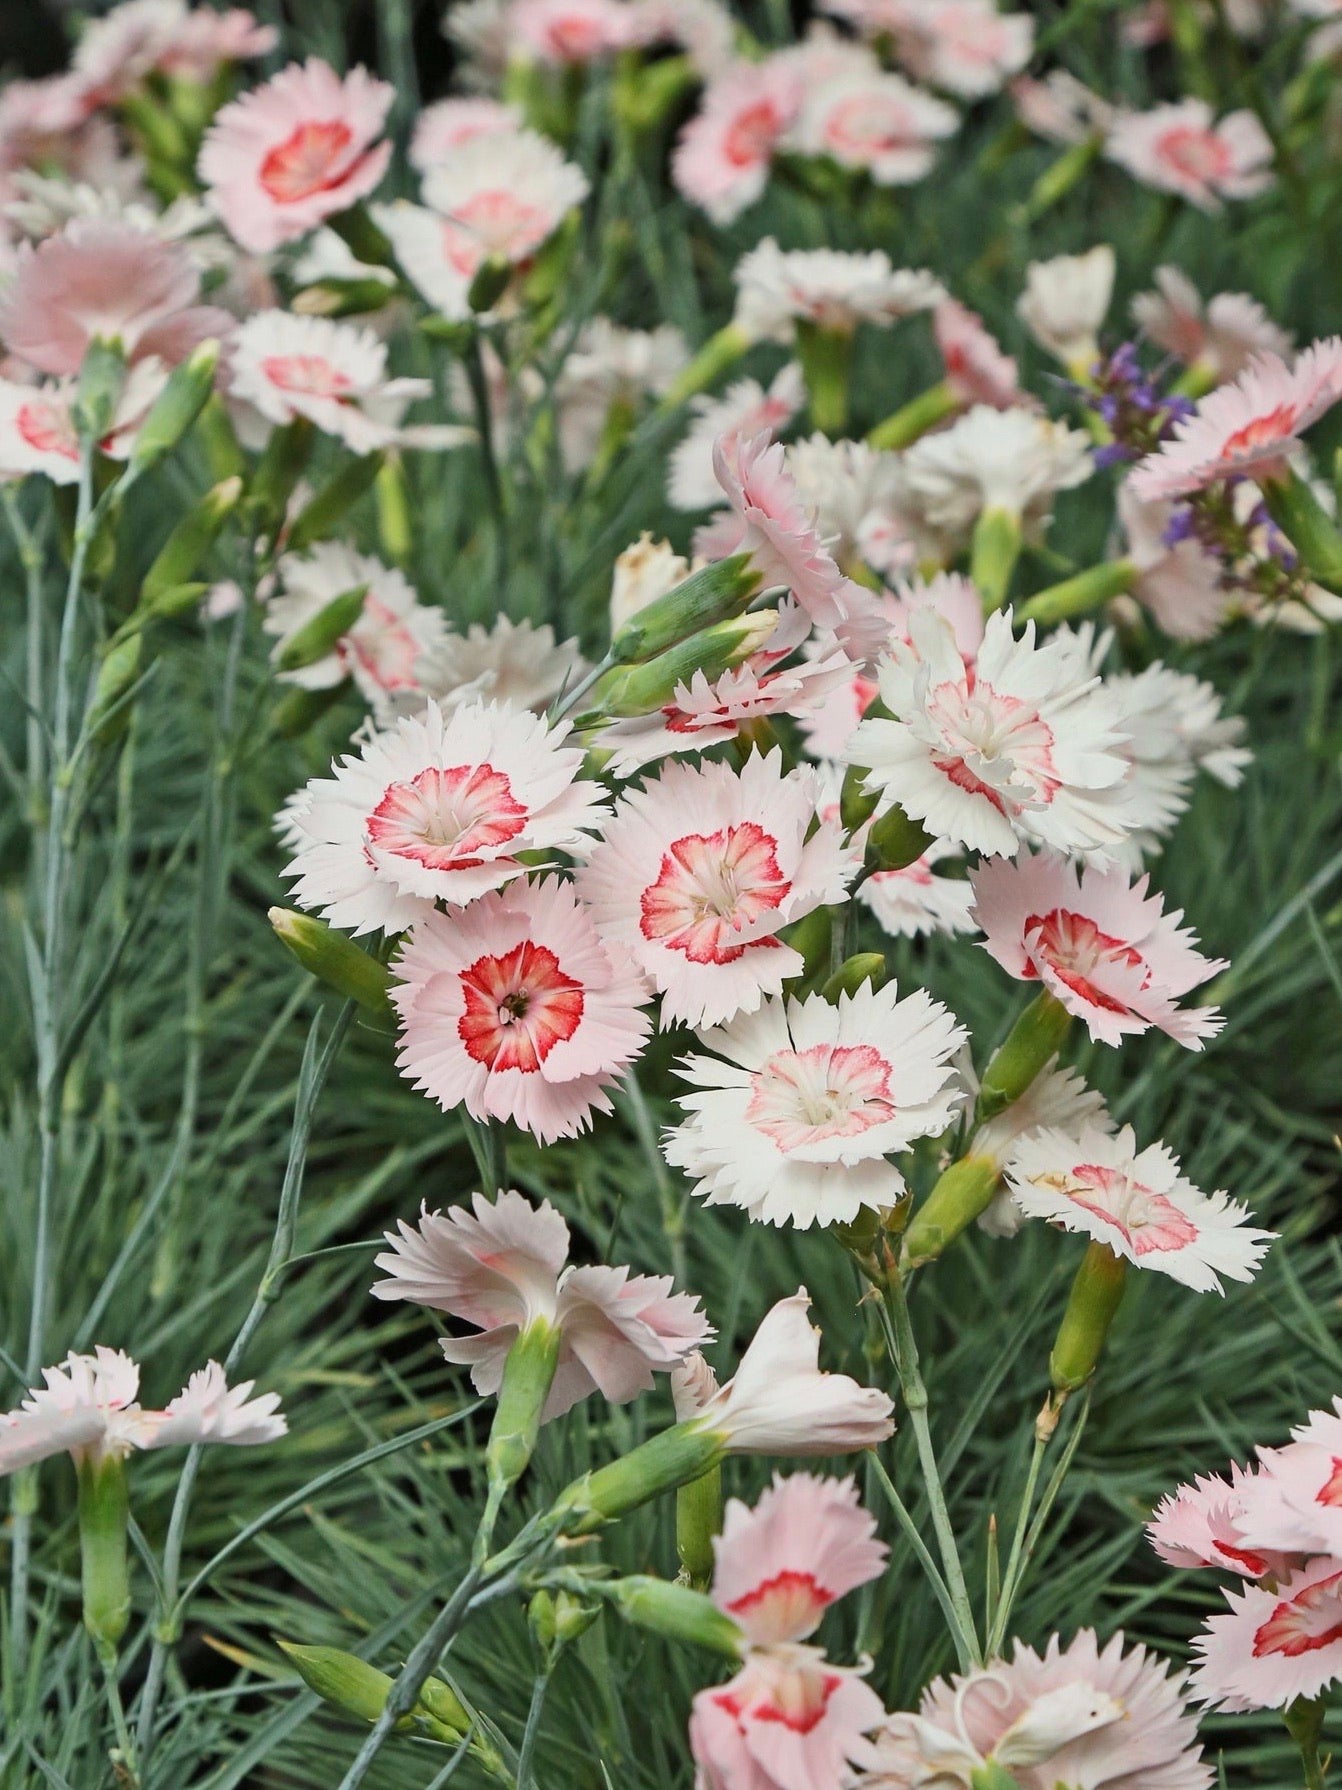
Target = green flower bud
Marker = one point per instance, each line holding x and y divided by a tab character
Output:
298	710
896	841
1092	1306
223	450
706	597
675	1611
866	966
641	689
104	1518
342	1679
964	1191
187	545
116	677
361	235
394	528
176	408
329	510
279	470
558	1617
318	636
1036	1036
336	961
857	804
646	91
490	283
343	298
813	937
1080	595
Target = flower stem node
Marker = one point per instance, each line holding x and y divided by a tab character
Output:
1036	1036
336	961
713	594
1091	1307
104	1518
896	841
676	1611
347	1682
964	1191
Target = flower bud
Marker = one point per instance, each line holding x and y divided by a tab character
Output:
1036	1036
109	714
342	1679
675	1611
300	709
914	419
640	689
528	1374
857	804
964	1191
104	1519
176	408
223	450
1091	1306
279	470
101	378
329	510
896	841
706	597
992	1776
394	528
336	960
866	966
343	298
558	1617
813	938
646	92
318	635
180	555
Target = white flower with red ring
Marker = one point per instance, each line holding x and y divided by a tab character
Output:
769	521
1139	1203
500	197
776	289
1022	744
875	121
1221	337
1213	1522
115	53
778	1567
965	47
802	1103
1275	1645
1065	303
697	873
383	651
1099	943
516	1008
438	808
334	374
279	160
503	1266
512	662
1293	1502
722	158
703	713
569	33
1246	428
89	1407
745	409
37	425
789	1720
1181	148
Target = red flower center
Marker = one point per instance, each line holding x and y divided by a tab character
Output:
803	1097
1077	951
383	646
1199	155
1149	1221
790	1603
710	887
47	429
751	135
1303	1623
1271	431
310	160
518	1007
311	375
444	819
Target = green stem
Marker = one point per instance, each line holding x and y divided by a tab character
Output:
489	464
1015	1563
904	1352
1304	1723
914	419
1080	595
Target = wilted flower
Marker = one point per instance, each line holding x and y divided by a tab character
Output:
976	369
89	1407
516	1008
1100	944
302	148
504	1265
511	662
802	1103
698	872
